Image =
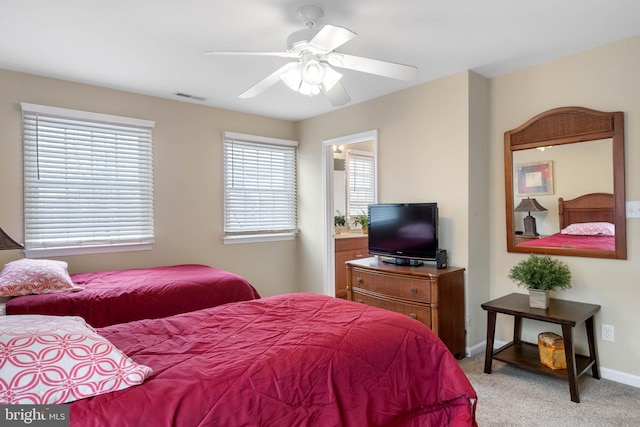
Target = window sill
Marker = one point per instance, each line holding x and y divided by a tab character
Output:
258	238
44	253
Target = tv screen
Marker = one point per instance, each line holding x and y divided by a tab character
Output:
404	231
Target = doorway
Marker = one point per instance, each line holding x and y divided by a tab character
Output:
329	202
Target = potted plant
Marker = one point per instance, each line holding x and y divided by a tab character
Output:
362	220
541	274
339	221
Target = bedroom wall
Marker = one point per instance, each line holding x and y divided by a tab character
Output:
605	79
424	138
187	179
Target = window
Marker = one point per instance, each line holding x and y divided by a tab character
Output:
361	182
88	182
259	188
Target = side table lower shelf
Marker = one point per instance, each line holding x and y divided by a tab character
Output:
527	356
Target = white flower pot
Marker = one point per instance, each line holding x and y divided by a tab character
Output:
538	299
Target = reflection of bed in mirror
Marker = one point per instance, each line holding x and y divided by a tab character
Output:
587	222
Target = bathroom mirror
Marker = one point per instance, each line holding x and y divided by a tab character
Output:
565	170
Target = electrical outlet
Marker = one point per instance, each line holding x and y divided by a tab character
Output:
633	209
607	333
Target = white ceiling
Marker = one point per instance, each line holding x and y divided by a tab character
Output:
155	47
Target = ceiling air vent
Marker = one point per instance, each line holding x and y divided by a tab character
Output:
186	95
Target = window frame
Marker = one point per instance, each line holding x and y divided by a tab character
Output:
85	119
258	236
354	155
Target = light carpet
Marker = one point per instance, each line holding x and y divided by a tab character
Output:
511	396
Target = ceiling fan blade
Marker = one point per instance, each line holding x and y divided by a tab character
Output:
337	95
241	53
330	37
267	82
373	66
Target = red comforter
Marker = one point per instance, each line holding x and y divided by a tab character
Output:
288	360
570	241
120	296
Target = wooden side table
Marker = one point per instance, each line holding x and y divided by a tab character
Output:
525	355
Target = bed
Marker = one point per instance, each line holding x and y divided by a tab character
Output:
295	359
586	222
120	296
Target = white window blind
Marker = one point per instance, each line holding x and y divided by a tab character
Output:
88	181
259	186
361	188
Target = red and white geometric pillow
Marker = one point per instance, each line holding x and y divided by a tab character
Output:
32	276
59	359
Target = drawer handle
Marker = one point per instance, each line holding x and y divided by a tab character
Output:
413	290
358	300
358	279
413	315
359	256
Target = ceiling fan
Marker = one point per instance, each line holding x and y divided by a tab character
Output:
312	70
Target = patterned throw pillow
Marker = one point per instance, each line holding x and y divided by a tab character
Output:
59	359
32	276
590	229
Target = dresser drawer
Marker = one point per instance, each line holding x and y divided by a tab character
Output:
421	313
392	285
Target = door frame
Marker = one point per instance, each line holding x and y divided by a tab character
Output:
329	287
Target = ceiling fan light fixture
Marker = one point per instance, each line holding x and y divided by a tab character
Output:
293	77
312	72
307	89
331	77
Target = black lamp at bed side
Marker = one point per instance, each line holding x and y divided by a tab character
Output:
530	205
7	242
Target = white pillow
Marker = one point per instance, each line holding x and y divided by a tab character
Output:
590	229
35	276
58	359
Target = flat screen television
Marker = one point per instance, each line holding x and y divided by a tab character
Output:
407	233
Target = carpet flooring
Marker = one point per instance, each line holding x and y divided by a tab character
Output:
512	397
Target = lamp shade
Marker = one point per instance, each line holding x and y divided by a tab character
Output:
530	205
7	242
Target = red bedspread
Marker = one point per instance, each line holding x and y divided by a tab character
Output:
120	296
288	360
570	241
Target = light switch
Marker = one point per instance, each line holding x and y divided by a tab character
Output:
633	209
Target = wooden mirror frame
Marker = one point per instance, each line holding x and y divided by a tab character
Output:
569	125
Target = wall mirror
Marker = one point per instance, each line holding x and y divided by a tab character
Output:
565	184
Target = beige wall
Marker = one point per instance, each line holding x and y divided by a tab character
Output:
187	179
605	79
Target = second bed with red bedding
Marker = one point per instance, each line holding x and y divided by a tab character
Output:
119	296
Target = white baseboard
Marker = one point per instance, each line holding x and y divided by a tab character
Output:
606	373
620	377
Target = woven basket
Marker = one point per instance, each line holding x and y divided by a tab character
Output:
551	347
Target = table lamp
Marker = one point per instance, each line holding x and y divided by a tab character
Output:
529	205
7	242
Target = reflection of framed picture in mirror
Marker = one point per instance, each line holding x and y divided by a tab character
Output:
534	179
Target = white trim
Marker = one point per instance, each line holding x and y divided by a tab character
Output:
257	238
86	115
257	138
620	377
45	253
328	261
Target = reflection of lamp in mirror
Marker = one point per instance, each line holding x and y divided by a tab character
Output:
6	242
530	205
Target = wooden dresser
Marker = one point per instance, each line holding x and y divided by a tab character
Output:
432	296
348	248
